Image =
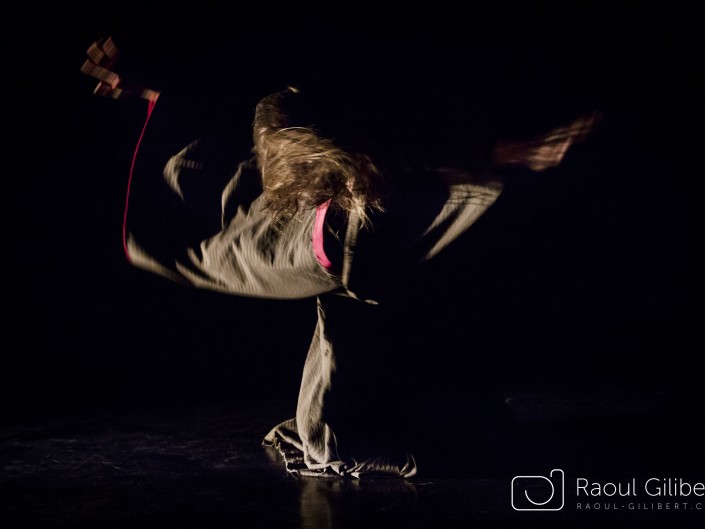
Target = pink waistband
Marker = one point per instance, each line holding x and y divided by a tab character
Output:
317	237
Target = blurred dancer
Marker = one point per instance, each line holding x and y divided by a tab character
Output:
310	214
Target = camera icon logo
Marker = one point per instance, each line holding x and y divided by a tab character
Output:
539	493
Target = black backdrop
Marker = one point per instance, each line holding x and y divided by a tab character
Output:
588	272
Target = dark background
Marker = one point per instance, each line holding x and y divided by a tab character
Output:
586	276
126	399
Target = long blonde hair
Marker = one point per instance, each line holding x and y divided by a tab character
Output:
302	168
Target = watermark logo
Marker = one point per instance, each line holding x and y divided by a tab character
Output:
539	493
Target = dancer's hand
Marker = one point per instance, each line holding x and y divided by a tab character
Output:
102	56
546	150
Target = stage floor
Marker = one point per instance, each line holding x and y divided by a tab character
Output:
181	466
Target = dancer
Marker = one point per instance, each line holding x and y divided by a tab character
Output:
309	214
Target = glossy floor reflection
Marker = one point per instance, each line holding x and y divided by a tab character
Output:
205	467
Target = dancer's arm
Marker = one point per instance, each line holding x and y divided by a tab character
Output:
100	64
547	150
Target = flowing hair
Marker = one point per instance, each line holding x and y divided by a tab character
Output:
302	169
